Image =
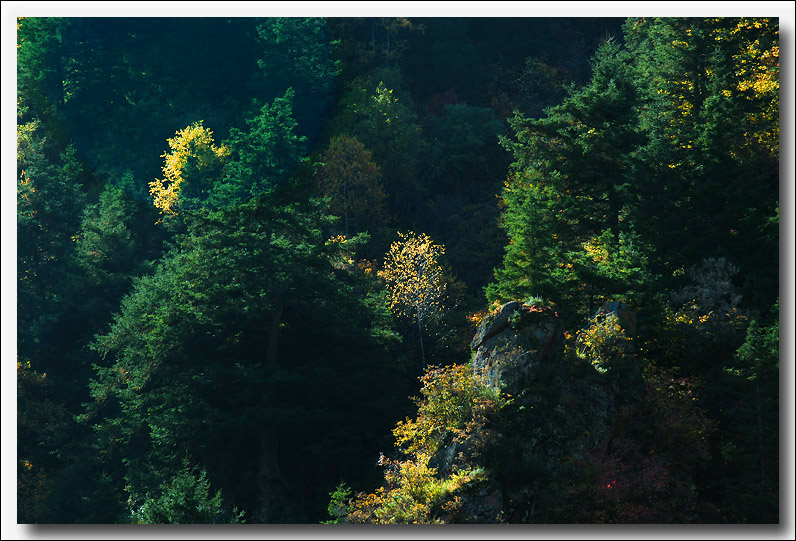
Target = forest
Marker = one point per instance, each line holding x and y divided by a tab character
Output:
445	270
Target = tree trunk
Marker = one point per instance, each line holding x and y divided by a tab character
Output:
269	475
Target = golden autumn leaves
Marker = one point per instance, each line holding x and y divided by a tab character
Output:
414	278
413	275
192	145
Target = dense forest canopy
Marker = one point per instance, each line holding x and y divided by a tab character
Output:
248	247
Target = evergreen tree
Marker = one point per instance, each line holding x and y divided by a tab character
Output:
573	182
247	173
226	353
297	53
709	88
50	199
186	500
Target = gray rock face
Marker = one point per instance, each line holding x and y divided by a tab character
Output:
562	412
509	346
494	325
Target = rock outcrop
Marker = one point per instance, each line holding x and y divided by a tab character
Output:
544	433
509	346
562	411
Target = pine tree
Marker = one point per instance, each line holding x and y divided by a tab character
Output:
709	88
571	184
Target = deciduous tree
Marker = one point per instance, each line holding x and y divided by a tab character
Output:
190	169
348	175
414	279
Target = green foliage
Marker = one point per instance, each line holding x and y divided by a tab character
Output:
529	261
297	48
50	199
455	407
297	54
747	446
454	401
706	143
262	157
416	496
263	348
760	350
462	152
609	266
36	38
568	204
42	420
702	326
186	500
385	123
207	351
339	504
105	247
604	344
462	165
115	84
680	420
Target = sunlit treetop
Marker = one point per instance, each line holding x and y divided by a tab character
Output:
192	152
414	275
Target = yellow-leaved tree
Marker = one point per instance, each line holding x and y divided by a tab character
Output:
190	168
414	277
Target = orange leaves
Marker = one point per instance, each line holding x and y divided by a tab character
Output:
477	317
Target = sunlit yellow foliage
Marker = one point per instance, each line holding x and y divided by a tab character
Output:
757	76
692	315
758	71
477	317
194	143
24	135
413	488
454	400
20	39
337	239
603	343
385	100
454	407
596	250
414	276
367	267
753	48
414	493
